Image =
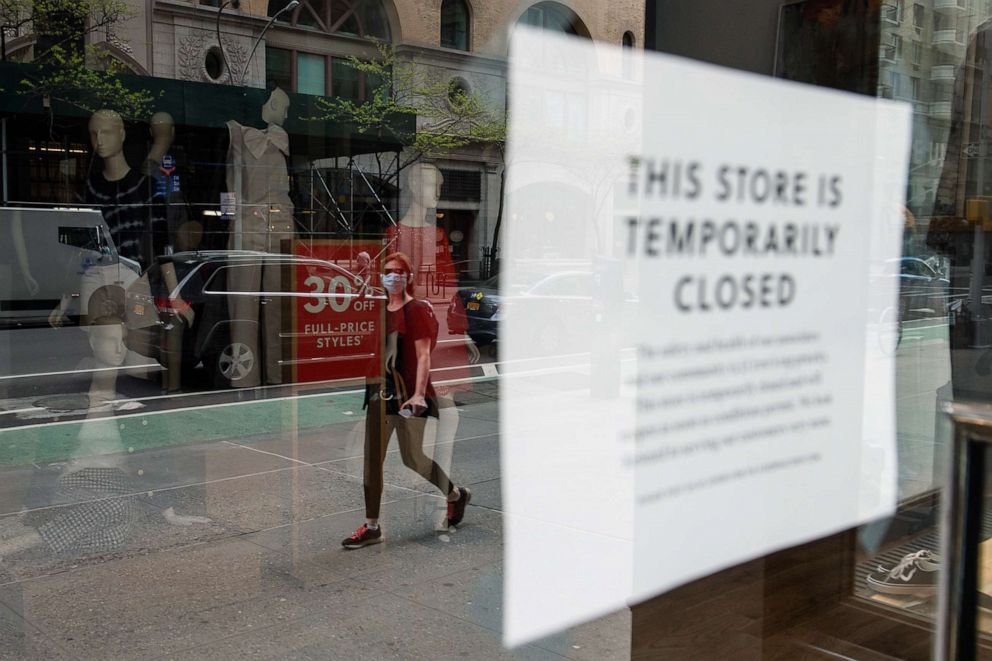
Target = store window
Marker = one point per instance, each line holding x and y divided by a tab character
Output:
191	275
455	24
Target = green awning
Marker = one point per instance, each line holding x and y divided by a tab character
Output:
209	105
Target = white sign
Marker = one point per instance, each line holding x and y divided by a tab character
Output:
699	296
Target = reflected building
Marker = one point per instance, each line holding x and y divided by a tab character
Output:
921	52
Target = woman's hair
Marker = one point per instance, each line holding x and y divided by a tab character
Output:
407	266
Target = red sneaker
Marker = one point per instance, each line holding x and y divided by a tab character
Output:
363	537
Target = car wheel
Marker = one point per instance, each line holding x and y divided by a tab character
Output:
235	363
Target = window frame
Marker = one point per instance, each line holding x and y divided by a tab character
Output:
464	5
329	59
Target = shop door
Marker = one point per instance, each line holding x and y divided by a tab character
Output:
871	592
458	225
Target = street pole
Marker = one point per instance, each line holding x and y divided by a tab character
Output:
293	4
235	4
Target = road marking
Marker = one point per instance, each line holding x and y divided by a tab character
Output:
489	372
156	366
201	407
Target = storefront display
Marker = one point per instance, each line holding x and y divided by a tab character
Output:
702	281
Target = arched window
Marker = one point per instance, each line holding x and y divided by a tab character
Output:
358	18
323	73
628	39
455	24
555	17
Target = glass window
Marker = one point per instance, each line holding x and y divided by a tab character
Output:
345	79
361	18
892	11
310	74
454	24
279	68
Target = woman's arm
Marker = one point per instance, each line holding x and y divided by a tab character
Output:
423	346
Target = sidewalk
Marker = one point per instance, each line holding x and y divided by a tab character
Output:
266	578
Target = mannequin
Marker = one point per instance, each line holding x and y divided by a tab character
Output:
162	129
418	235
258	176
164	165
96	483
122	194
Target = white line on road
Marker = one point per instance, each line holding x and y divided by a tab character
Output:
129	368
214	406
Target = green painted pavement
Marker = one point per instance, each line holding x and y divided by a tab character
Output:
45	444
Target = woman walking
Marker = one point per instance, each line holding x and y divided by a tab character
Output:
402	400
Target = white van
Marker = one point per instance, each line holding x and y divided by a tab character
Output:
52	260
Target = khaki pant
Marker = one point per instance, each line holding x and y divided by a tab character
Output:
257	285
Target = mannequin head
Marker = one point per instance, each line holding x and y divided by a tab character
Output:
107	341
107	133
425	185
105	301
162	128
276	109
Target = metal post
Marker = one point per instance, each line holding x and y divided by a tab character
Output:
6	173
235	4
979	321
961	514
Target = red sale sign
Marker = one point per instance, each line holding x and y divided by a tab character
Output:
337	313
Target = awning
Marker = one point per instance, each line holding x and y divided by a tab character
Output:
210	105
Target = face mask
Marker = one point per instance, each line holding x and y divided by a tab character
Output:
394	282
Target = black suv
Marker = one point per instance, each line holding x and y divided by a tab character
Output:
161	327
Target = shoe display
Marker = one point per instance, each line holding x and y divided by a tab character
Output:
915	574
456	508
364	536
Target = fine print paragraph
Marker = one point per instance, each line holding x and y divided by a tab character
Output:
718	395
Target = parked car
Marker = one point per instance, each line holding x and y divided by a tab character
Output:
562	305
474	311
922	291
186	297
